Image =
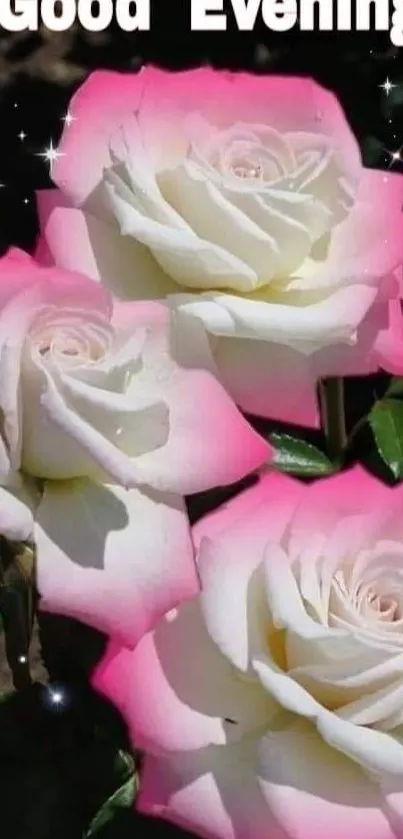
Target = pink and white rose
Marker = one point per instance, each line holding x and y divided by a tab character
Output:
99	411
271	705
243	200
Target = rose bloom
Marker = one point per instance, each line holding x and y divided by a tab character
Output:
243	200
95	403
271	705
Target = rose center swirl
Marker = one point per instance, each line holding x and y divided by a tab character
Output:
345	645
71	337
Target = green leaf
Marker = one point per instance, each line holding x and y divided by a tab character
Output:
299	457
121	798
395	387
386	421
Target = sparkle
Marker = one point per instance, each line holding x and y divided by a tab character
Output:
387	86
395	156
56	697
51	155
26	200
22	135
22	659
68	119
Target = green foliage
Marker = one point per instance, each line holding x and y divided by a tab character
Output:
386	421
123	797
395	387
298	457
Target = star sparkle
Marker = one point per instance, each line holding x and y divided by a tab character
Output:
56	697
22	136
395	156
387	86
68	119
51	155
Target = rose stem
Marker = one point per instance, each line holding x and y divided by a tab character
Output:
16	609
331	397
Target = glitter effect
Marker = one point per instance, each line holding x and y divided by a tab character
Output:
68	119
51	155
395	156
56	697
387	86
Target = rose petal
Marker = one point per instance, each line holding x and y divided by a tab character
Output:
16	521
306	328
217	219
212	791
389	342
326	502
381	707
227	448
294	219
269	380
59	443
227	516
190	260
161	100
79	241
369	242
175	707
49	285
377	752
100	104
114	559
308	641
227	566
308	796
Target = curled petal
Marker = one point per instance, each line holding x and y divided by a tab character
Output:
328	321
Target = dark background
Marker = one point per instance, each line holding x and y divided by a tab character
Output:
57	764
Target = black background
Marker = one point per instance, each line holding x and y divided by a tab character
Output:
56	766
